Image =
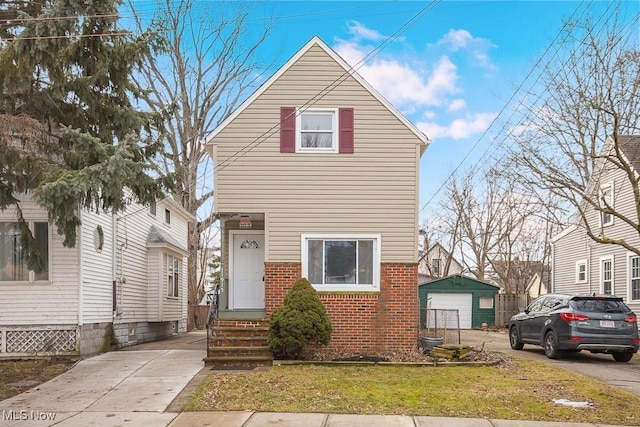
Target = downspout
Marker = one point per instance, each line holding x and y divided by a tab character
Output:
79	248
114	290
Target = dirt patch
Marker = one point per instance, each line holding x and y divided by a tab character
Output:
17	376
327	354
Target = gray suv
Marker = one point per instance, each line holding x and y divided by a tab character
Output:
570	323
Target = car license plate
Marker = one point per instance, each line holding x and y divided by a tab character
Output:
607	324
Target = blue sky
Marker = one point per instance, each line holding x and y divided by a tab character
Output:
451	72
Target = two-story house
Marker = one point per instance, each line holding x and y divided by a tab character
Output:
580	265
123	283
316	176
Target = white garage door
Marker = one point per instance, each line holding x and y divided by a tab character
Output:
461	302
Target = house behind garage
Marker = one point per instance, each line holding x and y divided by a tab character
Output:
474	299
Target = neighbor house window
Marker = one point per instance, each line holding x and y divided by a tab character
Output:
317	130
167	216
606	275
342	262
634	276
13	268
173	275
581	271
606	193
152	208
435	266
486	302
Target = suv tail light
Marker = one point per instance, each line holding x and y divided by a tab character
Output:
631	319
569	317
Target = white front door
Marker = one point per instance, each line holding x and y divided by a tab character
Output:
247	270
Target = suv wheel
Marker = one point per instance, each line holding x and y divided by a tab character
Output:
514	339
551	346
622	357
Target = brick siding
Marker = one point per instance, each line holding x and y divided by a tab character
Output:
362	322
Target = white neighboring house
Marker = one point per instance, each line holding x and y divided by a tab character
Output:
126	274
437	263
580	265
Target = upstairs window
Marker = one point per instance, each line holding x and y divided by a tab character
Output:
606	194
167	216
313	130
435	266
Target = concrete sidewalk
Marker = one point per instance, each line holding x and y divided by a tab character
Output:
272	419
147	386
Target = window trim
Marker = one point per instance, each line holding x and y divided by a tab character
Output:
31	274
630	255
335	140
609	186
586	271
377	245
603	259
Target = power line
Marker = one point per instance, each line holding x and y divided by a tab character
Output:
512	97
352	70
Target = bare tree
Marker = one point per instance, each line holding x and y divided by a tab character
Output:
499	231
580	126
206	63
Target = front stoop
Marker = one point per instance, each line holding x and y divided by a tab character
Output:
239	343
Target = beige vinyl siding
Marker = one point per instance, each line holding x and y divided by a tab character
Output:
53	303
373	190
97	269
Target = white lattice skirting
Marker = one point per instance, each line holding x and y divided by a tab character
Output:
38	340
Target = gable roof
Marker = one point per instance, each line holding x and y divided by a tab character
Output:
316	41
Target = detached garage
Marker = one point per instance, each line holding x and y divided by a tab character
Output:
473	299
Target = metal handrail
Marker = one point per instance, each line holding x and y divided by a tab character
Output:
213	307
213	314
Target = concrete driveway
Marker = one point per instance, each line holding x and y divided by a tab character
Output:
601	367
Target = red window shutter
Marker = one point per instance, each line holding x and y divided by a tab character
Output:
287	129
345	125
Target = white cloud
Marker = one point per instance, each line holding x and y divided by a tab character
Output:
477	47
456	39
459	128
360	32
456	105
400	82
429	115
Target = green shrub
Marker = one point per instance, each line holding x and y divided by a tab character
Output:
301	321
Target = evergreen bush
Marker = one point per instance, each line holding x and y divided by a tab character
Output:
301	321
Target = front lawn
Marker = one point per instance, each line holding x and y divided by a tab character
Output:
522	389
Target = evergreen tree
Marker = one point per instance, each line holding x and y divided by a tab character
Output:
70	134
